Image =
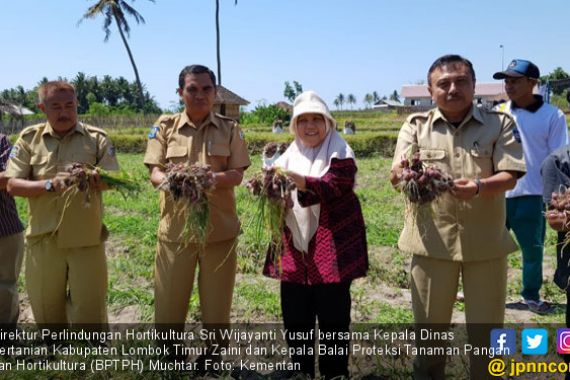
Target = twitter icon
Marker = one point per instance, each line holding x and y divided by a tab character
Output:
534	341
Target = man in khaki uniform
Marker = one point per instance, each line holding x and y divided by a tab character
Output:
197	135
465	230
65	238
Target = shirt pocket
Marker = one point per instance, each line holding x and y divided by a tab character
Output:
87	155
428	155
218	155
41	167
436	158
177	154
482	157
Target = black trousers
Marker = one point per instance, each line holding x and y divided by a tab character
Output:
302	306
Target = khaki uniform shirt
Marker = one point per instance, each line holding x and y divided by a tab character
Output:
39	153
218	142
482	145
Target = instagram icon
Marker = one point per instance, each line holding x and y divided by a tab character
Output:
563	341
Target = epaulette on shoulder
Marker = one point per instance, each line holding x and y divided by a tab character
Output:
499	112
31	130
91	128
419	115
226	118
167	119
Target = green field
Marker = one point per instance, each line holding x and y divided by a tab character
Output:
381	297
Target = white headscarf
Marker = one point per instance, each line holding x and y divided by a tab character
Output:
307	161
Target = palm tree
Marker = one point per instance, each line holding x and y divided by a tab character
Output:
375	96
340	99
351	99
368	100
395	97
336	103
218	55
117	10
80	82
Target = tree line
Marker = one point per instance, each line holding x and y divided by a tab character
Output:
290	92
94	96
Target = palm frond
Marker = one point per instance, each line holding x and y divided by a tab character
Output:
107	23
113	10
122	21
93	11
132	12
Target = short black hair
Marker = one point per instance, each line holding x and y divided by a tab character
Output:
446	60
195	69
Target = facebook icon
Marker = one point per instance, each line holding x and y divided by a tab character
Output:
503	341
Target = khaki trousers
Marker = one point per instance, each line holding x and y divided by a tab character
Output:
66	278
11	254
434	289
174	279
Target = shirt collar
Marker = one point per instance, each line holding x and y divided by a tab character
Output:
535	106
474	113
49	130
185	120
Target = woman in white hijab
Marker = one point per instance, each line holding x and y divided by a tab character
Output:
324	240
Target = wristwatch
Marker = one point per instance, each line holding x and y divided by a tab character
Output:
49	186
479	185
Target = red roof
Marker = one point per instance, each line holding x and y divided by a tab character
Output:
481	89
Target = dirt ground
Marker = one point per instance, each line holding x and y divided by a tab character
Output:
371	290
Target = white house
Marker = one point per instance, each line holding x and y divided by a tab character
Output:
485	93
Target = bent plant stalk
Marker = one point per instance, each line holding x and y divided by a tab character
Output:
271	190
80	181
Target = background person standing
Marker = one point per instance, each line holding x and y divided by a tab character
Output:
541	128
11	244
556	179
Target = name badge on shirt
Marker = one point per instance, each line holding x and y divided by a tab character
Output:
14	151
517	135
153	132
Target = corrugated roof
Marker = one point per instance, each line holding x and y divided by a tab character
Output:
226	96
14	109
481	89
388	102
489	89
415	91
284	106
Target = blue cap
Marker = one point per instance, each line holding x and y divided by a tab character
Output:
519	68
